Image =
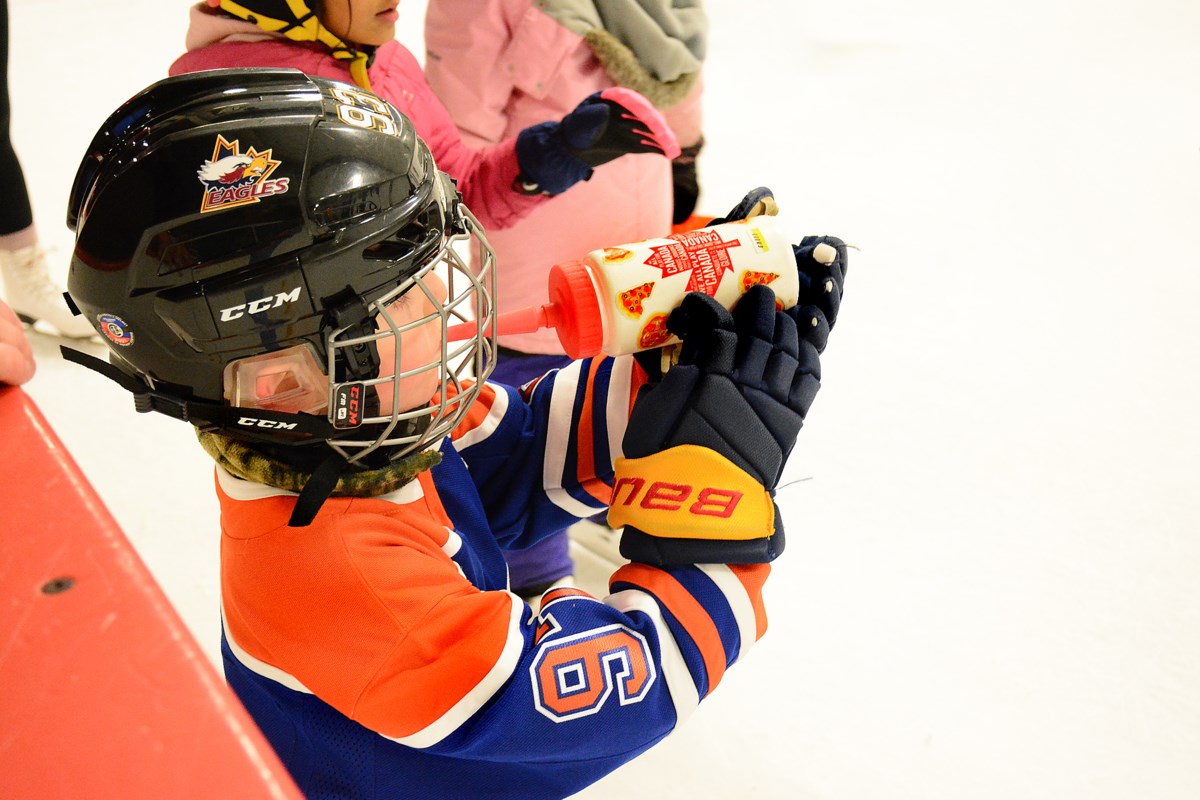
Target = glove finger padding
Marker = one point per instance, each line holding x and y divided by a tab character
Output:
706	446
811	325
784	361
755	314
821	264
706	331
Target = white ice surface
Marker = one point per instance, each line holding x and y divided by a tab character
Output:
992	587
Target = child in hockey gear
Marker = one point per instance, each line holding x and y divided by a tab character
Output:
502	67
353	41
266	268
502	182
28	287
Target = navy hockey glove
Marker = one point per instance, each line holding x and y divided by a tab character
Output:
821	262
757	201
554	156
706	445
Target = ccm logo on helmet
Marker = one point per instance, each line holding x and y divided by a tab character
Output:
252	422
260	305
348	405
706	501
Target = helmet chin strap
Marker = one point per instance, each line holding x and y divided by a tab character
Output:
314	494
317	489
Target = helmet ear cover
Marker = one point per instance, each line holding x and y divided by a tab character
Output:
289	380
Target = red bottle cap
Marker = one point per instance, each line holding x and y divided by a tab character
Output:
576	314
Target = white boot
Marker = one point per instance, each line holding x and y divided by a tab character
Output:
30	291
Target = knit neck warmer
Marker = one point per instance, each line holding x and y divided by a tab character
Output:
243	461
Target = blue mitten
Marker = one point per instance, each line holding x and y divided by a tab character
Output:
554	156
706	445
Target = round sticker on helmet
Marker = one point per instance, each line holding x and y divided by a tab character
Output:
115	329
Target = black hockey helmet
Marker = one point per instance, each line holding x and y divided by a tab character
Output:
242	240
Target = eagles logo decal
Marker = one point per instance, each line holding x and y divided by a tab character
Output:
233	178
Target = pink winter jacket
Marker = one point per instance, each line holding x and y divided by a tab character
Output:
502	65
485	177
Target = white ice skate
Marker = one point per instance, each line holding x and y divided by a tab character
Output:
34	296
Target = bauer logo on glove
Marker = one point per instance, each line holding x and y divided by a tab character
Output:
690	492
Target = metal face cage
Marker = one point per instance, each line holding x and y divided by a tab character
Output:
469	297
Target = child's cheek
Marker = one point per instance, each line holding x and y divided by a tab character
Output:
418	348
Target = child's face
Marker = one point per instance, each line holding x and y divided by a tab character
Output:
370	22
418	347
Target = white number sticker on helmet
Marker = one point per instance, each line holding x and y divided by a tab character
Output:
364	110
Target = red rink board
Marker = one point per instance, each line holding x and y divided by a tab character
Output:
103	691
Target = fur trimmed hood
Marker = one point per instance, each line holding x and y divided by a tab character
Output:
655	47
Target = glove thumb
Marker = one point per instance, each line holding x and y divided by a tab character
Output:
756	202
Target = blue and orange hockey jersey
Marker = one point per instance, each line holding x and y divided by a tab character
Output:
379	650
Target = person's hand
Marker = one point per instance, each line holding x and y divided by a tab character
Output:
16	357
554	156
705	446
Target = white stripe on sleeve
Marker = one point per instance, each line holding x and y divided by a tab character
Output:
679	679
739	601
560	428
616	408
